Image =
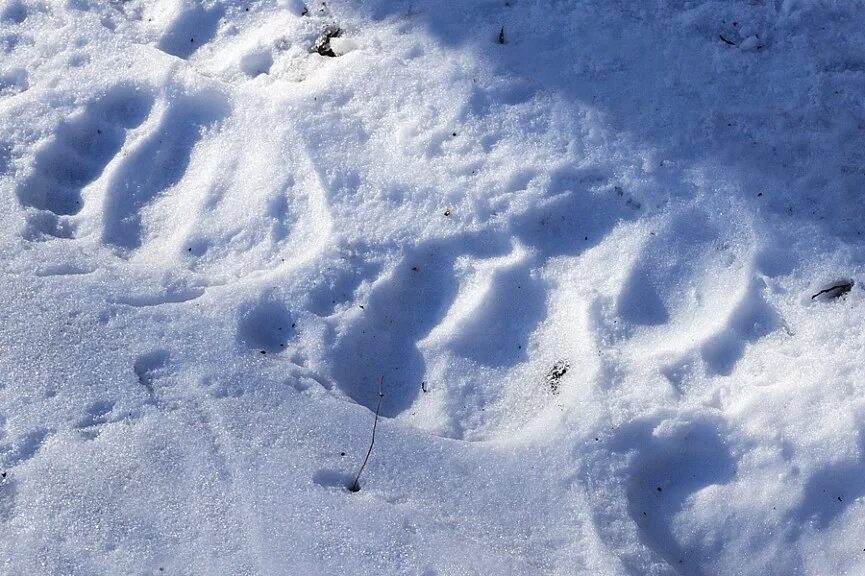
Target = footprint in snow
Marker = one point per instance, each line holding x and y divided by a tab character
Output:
76	156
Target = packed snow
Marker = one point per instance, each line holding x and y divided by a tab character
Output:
604	258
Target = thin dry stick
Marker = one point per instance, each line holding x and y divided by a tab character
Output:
355	486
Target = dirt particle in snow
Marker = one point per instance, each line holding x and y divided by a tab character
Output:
555	374
322	43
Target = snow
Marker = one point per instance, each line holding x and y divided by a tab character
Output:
586	264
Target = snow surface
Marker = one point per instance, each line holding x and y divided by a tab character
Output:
582	262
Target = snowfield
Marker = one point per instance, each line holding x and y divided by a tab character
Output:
605	256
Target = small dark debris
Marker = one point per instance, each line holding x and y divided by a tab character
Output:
322	43
262	351
305	11
414	268
659	489
502	35
759	194
454	134
423	387
342	453
839	499
835	291
361	306
192	39
2	474
726	40
555	374
447	211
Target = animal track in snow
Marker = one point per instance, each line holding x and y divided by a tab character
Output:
14	13
77	154
256	221
149	367
671	463
154	166
831	489
266	326
96	414
750	320
383	340
695	299
17	452
13	81
193	26
474	298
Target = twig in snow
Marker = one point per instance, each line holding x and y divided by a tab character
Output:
835	291
727	40
355	486
502	36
